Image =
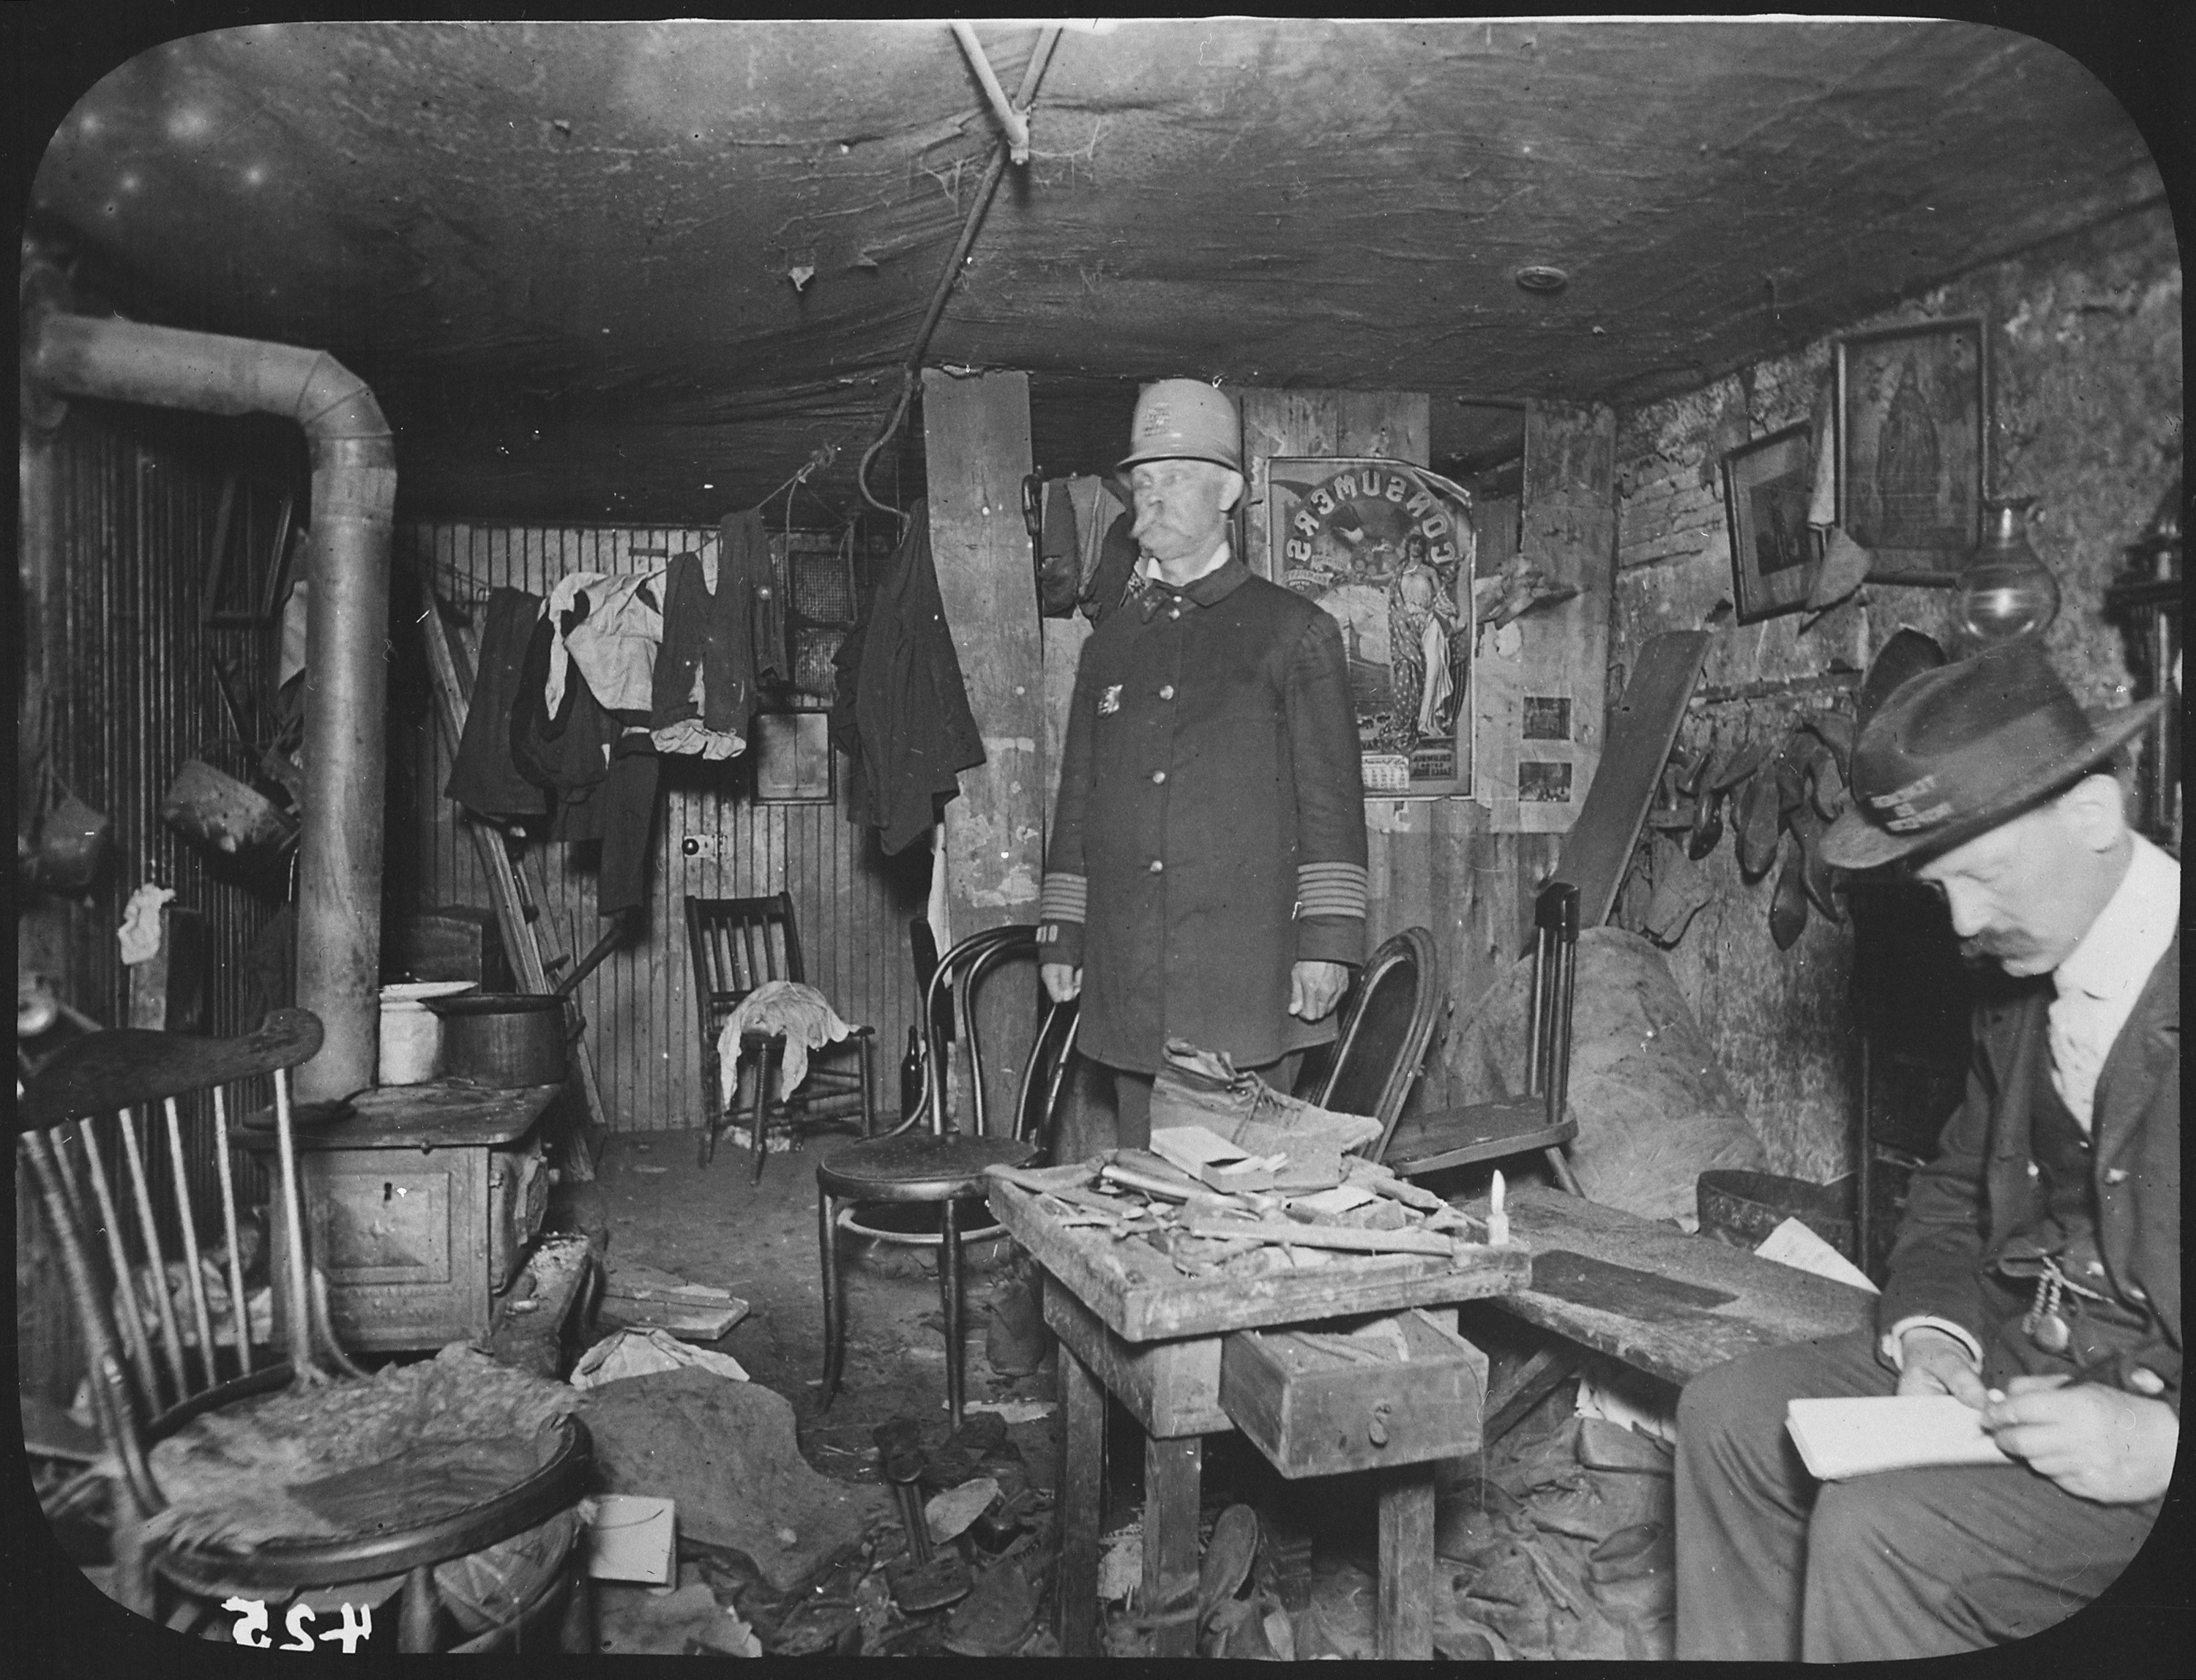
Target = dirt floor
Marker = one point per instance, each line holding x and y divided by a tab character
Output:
1309	1589
714	1225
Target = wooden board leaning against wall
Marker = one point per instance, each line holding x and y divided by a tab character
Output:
1460	867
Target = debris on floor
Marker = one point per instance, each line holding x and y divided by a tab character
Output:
725	1452
637	1621
640	1353
646	1298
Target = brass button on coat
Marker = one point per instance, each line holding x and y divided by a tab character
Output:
1167	692
1158	776
1158	865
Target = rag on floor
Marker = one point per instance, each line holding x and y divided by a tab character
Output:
799	1011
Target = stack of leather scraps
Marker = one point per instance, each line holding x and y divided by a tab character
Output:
1337	1209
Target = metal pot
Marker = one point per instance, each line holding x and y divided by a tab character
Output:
503	1040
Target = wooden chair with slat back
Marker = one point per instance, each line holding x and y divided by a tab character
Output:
1540	1119
100	1126
737	945
937	1166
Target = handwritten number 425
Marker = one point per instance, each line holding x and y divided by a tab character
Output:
250	1627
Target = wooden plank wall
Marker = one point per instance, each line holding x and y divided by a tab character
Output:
117	518
852	903
1431	863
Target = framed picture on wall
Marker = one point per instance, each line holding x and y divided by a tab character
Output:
793	757
1912	406
1774	551
1387	551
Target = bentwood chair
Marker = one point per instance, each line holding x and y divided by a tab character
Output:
1380	1048
164	1350
1539	1118
938	1166
737	945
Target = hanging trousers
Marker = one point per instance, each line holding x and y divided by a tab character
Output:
1773	1567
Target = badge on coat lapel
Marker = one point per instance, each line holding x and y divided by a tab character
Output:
1110	702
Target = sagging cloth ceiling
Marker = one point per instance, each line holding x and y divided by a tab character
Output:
646	270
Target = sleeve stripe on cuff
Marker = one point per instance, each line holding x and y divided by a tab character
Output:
1331	889
1064	898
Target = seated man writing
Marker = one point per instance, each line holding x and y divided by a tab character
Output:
2036	1276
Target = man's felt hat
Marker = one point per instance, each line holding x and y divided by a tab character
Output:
1956	751
1185	419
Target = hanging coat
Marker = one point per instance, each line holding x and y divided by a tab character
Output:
908	726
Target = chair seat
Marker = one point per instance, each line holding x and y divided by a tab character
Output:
391	1546
917	1166
1480	1131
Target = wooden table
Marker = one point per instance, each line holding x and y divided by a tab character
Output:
1132	1326
417	1206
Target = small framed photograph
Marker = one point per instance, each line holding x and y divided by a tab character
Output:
1911	405
793	758
1774	553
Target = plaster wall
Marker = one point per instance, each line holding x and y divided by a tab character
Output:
2085	414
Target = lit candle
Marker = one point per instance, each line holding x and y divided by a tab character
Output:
1498	1221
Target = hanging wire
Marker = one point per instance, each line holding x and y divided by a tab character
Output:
985	192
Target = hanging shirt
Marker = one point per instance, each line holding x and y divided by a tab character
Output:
718	644
615	641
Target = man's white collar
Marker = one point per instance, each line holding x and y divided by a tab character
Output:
1150	568
2132	931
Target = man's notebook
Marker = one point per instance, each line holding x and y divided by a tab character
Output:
1838	1439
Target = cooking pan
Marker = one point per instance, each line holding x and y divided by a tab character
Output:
503	1040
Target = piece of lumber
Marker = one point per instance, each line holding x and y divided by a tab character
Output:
1346	1237
1173	1470
1082	1488
1403	1619
976	452
452	688
1524	1389
1170	1387
1770	1305
1642	726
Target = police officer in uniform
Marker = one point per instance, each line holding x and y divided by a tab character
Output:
1205	877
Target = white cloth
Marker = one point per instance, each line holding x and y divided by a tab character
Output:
615	643
2102	977
798	1011
292	660
139	935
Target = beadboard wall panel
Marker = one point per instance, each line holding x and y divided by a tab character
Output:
852	903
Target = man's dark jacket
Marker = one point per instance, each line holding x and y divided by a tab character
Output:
902	713
1980	1190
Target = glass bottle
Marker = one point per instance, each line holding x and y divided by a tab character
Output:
910	1075
2005	589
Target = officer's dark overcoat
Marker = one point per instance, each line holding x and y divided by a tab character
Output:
1210	827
